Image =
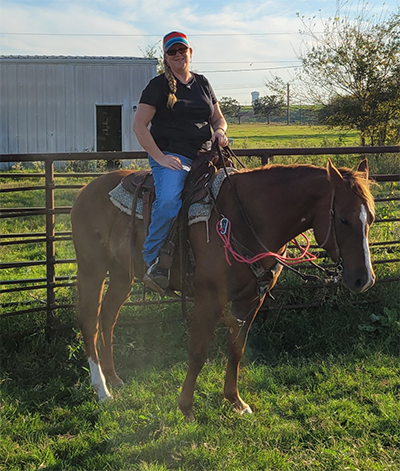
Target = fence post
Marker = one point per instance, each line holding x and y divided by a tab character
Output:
50	246
266	159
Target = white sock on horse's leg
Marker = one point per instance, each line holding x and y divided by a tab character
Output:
98	381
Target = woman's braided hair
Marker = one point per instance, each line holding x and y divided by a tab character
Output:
172	85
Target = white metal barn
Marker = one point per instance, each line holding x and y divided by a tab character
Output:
70	104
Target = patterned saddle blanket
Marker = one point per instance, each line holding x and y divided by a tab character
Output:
198	212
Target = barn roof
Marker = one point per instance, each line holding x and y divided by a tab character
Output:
79	59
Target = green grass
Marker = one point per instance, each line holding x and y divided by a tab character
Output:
258	136
311	411
34	251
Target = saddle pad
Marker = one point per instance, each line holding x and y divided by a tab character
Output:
123	200
198	212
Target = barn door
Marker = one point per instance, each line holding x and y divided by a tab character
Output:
109	128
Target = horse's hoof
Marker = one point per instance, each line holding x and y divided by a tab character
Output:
189	417
187	412
106	398
246	410
115	382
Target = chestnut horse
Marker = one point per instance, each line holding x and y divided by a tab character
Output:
280	201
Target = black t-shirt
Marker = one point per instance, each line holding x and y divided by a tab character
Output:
184	128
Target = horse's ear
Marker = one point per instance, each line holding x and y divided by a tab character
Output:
363	168
334	175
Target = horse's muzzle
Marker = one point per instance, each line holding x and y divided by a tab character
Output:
358	282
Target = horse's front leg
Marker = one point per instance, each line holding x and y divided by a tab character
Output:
238	322
207	312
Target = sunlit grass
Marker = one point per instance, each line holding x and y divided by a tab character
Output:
259	136
316	413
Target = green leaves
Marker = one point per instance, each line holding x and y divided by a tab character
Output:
388	322
264	106
231	107
357	61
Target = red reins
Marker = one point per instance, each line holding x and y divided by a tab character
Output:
224	231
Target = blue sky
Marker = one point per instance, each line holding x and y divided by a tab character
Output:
237	45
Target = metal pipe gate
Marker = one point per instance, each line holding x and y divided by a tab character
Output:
50	283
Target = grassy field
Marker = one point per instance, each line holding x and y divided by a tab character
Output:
257	136
323	382
334	410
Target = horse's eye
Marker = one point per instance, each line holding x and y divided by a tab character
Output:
344	221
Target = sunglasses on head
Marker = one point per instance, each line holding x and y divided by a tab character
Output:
181	50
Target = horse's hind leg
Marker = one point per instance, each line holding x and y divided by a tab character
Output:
238	323
90	286
117	293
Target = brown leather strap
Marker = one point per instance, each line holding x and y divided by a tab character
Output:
146	199
133	224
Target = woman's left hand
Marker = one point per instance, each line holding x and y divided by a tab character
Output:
221	136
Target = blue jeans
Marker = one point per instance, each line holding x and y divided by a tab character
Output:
169	185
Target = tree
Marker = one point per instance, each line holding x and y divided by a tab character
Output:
280	89
294	94
353	68
154	52
266	105
231	107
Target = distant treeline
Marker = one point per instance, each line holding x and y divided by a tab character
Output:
306	114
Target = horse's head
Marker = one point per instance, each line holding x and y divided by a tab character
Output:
344	227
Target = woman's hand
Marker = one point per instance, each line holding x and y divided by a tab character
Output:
219	126
170	161
220	135
143	117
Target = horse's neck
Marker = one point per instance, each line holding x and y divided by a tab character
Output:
287	201
302	192
304	199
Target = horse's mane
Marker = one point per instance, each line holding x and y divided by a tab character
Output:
357	181
360	185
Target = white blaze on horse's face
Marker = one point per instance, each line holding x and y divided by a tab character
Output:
98	381
358	274
367	256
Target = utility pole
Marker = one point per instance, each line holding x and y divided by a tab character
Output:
300	113
288	105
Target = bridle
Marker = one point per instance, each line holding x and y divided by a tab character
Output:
332	230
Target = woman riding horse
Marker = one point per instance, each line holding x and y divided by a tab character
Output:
279	201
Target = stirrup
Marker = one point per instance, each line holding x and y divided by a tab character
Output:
151	281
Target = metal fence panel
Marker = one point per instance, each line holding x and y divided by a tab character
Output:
50	237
